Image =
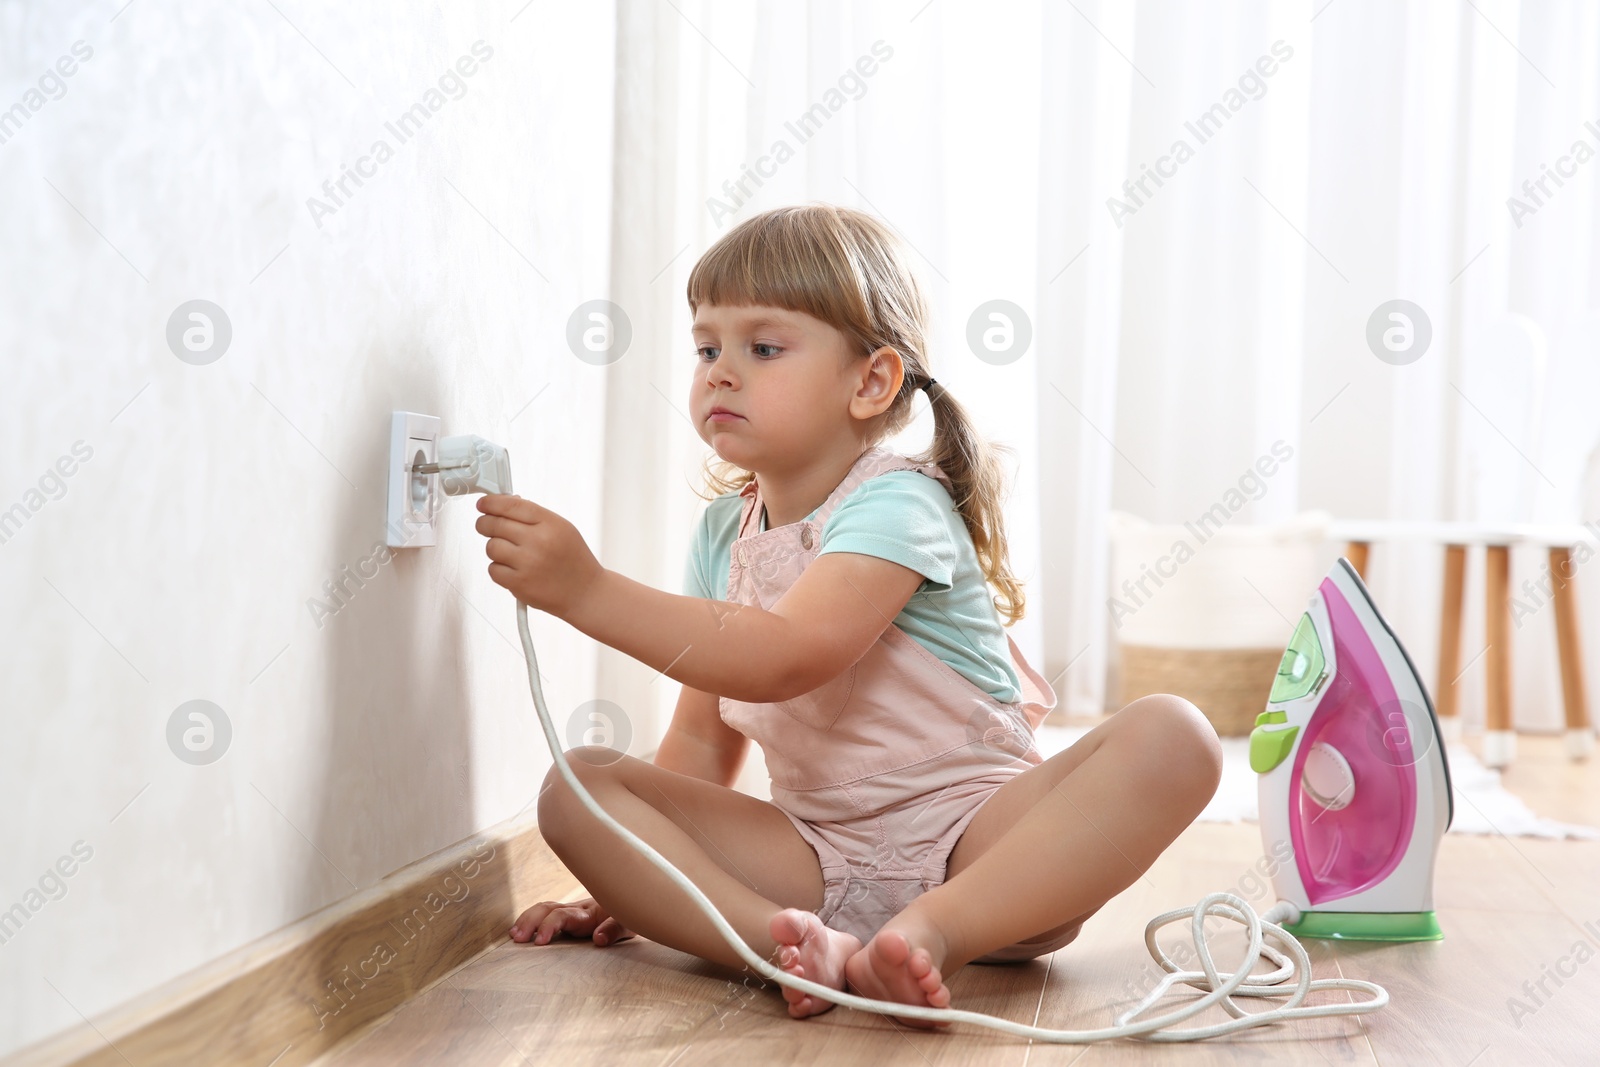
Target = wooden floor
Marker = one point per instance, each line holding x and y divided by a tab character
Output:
1513	911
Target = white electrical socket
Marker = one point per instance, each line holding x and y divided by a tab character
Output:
413	497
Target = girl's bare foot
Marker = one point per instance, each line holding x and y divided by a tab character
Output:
893	968
807	949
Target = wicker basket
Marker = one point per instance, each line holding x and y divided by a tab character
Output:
1229	685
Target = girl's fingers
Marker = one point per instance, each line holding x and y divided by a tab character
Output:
548	918
503	526
553	924
510	506
530	919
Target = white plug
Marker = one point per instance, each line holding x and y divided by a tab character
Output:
469	464
417	454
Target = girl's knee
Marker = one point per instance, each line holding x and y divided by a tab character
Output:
1178	738
595	764
596	768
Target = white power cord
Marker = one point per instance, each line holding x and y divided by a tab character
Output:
1220	988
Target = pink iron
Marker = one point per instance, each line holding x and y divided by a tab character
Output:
1355	789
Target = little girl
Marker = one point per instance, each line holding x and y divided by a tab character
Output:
838	613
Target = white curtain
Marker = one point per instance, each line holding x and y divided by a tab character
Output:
1341	155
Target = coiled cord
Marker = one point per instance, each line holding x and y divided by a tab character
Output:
1219	987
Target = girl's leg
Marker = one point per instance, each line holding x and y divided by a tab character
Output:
741	852
1051	846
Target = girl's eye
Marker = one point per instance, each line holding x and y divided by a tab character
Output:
703	349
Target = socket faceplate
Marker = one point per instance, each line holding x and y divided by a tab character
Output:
413	500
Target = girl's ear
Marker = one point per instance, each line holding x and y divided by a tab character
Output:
881	376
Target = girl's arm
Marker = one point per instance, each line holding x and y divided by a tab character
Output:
699	743
825	622
710	645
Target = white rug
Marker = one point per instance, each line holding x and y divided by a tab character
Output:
1482	804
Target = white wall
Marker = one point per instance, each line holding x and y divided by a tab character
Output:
216	500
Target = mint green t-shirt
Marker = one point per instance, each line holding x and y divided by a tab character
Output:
908	518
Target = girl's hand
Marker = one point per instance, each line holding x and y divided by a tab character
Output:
548	919
539	556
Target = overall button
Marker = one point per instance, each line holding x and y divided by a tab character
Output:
805	537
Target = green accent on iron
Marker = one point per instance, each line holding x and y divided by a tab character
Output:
1301	665
1268	748
1367	926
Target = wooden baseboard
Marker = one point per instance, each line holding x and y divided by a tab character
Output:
288	997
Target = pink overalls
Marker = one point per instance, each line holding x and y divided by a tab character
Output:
880	769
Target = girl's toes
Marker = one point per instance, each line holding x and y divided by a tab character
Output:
892	947
800	1004
789	926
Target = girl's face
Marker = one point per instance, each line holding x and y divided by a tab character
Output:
786	381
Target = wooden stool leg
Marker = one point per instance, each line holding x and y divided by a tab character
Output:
1500	742
1580	738
1356	553
1447	698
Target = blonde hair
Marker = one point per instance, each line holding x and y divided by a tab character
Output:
847	269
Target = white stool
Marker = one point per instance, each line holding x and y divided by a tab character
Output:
1500	740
